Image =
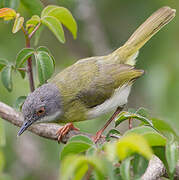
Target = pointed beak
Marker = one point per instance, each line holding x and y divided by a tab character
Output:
24	127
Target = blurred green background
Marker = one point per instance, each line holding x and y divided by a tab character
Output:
103	26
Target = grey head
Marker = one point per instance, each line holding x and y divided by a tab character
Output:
43	105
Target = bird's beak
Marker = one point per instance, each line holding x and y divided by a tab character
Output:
24	127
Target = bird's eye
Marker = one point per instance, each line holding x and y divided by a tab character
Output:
41	111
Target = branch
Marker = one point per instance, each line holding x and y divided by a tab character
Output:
46	130
154	171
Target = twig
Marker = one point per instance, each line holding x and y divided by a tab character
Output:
35	29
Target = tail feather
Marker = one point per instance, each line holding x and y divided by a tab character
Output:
127	53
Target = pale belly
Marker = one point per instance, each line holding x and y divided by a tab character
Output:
119	98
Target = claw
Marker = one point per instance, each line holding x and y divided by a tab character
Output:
64	130
97	136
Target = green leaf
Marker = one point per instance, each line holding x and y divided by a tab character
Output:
55	26
32	23
45	49
164	127
91	151
45	66
80	172
143	112
3	63
47	9
19	102
159	151
140	165
81	138
125	168
133	143
18	23
33	6
64	16
2	134
6	77
127	115
2	161
74	148
152	136
111	151
112	132
172	156
22	56
68	170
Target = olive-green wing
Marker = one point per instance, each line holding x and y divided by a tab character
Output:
108	78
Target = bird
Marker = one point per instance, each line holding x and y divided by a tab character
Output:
92	86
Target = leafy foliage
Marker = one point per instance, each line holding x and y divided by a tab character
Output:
126	157
53	17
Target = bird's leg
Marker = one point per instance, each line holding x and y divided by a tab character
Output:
130	123
99	133
64	130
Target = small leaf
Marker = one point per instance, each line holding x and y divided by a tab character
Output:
45	49
6	77
74	148
7	13
23	55
64	16
80	172
112	132
159	151
126	115
152	136
45	66
55	26
68	170
33	6
125	168
32	23
81	138
140	165
18	23
2	134
3	63
111	151
143	112
172	156
19	102
47	9
133	143
164	127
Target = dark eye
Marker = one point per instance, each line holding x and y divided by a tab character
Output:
41	111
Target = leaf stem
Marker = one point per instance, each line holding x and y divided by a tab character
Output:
35	29
29	61
22	69
29	67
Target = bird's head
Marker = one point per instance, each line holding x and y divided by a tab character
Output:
43	105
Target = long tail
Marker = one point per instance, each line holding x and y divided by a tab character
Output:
128	52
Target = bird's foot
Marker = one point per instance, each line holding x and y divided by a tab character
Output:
97	136
64	130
